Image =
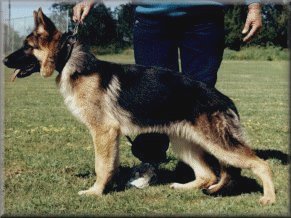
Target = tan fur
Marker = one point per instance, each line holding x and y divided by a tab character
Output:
41	30
78	94
106	144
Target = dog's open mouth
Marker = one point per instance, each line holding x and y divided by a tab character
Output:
24	72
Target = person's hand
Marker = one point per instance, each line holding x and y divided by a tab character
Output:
81	10
253	22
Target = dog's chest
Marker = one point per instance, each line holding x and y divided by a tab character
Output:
73	100
70	99
83	97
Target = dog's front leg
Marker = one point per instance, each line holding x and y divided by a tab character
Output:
106	144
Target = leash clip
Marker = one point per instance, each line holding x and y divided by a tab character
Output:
73	38
76	29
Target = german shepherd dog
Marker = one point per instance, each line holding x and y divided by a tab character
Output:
113	99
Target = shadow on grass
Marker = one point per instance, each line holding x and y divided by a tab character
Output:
273	154
182	173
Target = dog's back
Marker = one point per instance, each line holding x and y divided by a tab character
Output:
156	96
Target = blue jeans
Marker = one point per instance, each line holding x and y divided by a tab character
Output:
157	40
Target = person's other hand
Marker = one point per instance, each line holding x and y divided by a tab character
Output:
253	22
81	10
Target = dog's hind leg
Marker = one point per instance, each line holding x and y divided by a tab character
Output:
106	145
223	138
193	155
242	158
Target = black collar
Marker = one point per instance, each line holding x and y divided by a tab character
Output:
65	48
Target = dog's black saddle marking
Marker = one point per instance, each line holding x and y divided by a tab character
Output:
156	96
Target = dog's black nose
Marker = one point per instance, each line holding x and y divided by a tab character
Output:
5	61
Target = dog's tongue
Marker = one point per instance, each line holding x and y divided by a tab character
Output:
14	75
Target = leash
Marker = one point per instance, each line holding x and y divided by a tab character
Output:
76	29
72	39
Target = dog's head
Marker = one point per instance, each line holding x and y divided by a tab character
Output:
39	50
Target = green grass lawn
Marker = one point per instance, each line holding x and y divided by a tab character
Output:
49	155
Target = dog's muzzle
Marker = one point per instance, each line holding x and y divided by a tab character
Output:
24	65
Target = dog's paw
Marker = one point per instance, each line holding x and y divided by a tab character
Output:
176	185
266	200
90	192
214	188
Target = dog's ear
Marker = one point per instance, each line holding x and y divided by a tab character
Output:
35	19
43	25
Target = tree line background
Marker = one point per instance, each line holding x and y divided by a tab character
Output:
110	31
113	29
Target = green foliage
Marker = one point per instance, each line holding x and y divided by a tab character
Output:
273	33
275	22
107	49
100	27
125	19
267	53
